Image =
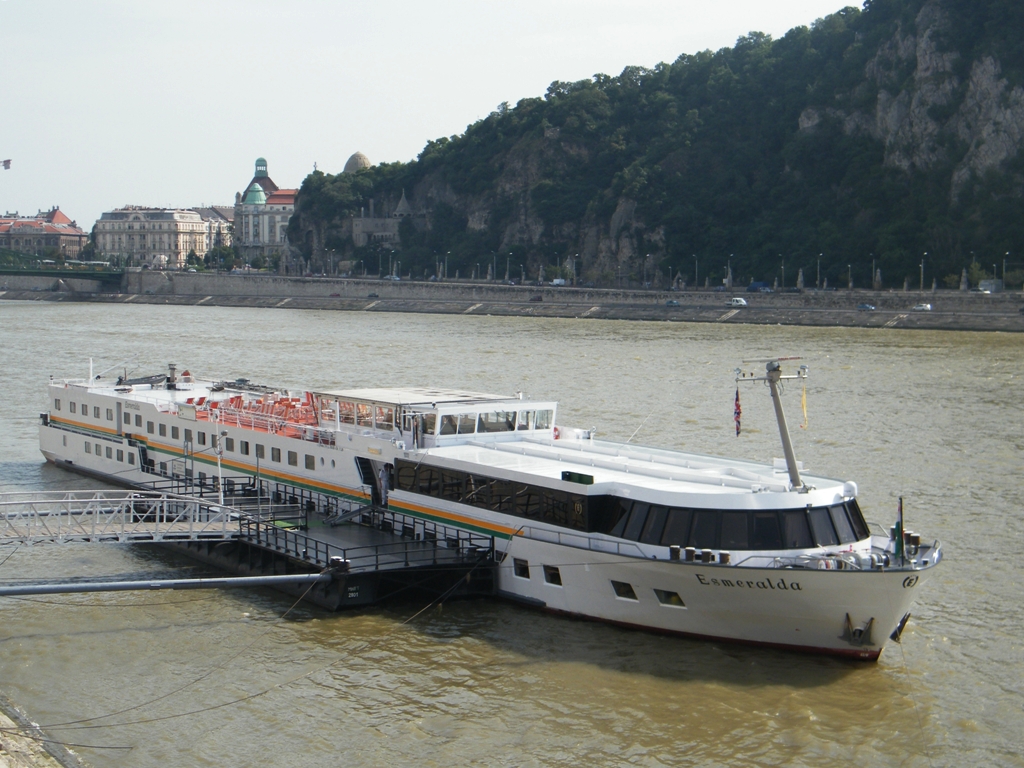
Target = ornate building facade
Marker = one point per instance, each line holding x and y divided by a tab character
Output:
160	238
46	233
261	217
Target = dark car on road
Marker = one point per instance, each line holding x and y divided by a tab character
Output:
373	295
866	307
538	297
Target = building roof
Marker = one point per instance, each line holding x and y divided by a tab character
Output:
216	212
254	195
357	162
403	208
282	197
52	222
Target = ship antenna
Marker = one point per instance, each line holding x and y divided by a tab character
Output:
773	376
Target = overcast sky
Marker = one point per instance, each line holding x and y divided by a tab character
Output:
112	102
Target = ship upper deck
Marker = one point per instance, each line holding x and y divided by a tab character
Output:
661	475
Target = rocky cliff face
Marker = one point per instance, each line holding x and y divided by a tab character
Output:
922	104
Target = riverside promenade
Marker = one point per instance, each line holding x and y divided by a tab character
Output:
950	309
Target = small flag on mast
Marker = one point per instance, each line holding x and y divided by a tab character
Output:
6	164
737	411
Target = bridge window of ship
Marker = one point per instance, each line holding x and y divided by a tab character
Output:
671	599
65	439
85	409
110	414
150	427
243	447
261	451
71	405
95	411
99	449
88	447
624	591
293	459
821	525
521	568
229	444
131	458
346	413
384	418
175	433
497	421
120	455
364	415
188	435
128	419
202	438
109	452
552	575
310	461
163	430
138	420
275	454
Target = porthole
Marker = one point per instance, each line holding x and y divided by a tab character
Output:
552	575
624	590
672	599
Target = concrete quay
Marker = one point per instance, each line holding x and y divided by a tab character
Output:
951	310
23	745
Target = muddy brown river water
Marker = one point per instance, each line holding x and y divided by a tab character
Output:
220	679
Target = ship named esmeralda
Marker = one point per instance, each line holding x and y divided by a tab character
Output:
646	537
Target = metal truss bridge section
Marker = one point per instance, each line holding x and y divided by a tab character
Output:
61	517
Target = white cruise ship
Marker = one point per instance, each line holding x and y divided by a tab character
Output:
652	538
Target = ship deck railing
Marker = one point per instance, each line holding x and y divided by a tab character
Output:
359	546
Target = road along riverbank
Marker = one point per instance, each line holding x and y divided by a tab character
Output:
949	310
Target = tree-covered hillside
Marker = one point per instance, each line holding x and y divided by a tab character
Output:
889	134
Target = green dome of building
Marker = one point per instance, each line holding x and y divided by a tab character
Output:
254	195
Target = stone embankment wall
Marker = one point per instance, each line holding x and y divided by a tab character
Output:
951	310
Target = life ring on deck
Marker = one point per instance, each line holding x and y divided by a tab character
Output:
558	433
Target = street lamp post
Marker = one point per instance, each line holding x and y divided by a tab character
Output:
817	280
849	277
922	270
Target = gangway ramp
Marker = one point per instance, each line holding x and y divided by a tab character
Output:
60	517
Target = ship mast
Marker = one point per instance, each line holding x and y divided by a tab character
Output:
773	376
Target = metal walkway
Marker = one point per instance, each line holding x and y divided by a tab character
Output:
61	517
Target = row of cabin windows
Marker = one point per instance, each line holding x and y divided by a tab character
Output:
492	421
621	589
244	447
640	521
740	529
532	502
109	452
73	407
383	418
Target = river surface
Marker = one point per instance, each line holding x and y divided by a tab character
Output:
227	679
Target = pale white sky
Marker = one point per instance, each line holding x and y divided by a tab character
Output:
113	102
